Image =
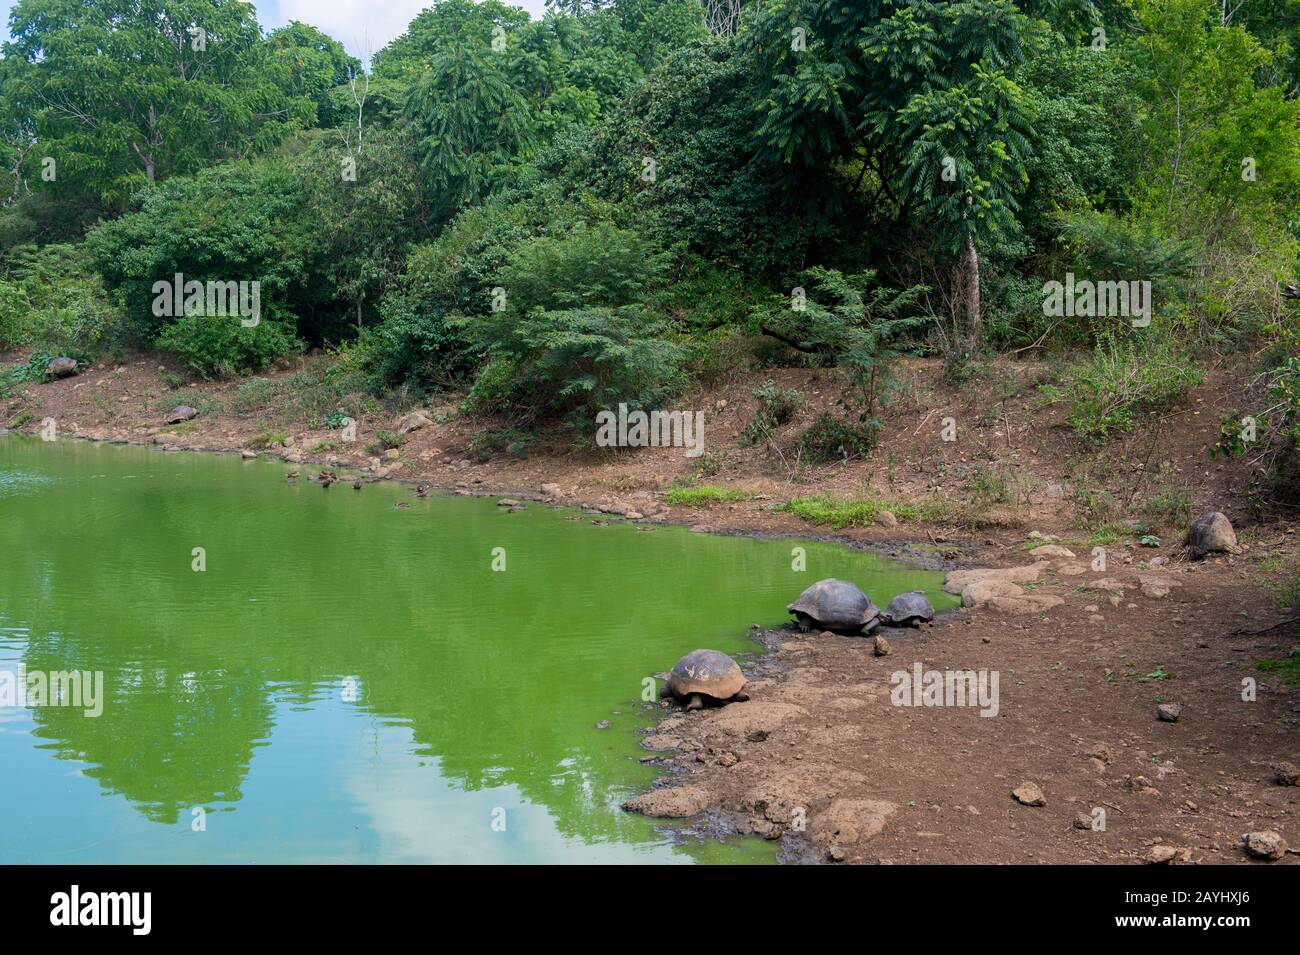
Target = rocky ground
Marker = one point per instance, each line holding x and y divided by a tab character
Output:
820	757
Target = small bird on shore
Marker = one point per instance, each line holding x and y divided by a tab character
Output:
356	485
422	490
291	475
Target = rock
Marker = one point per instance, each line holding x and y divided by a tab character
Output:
1096	618
507	502
1028	794
247	454
1157	587
846	822
1169	855
670	802
1101	753
1109	584
1071	568
604	725
785	797
1082	821
1169	712
1052	550
1264	845
881	648
413	422
392	454
634	516
1212	533
979	593
181	413
61	367
1000	594
1286	774
1140	785
754	717
886	519
1026	604
959	580
551	490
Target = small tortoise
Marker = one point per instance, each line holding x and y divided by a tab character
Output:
61	367
705	676
835	605
908	610
181	413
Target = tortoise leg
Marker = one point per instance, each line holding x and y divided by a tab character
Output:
741	697
664	692
695	703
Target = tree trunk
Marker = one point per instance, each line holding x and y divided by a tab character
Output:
974	318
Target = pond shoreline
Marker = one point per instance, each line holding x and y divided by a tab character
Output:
820	744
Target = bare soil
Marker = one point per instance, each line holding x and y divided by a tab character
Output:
820	758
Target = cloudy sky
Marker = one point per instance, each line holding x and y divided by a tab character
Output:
357	24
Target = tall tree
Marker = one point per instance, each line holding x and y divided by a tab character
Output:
919	93
131	91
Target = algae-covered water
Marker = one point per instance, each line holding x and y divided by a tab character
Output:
346	680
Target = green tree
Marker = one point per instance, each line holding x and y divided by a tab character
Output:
124	92
310	65
471	122
920	95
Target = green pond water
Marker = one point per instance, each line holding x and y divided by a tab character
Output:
349	681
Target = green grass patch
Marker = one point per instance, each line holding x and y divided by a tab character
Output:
831	512
705	494
1288	667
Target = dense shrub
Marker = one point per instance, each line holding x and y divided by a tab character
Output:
830	438
221	345
545	366
51	300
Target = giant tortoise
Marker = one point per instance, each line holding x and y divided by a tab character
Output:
908	610
835	605
705	677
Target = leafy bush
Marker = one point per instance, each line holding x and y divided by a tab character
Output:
830	439
235	222
570	364
50	299
598	264
776	406
1121	380
850	321
413	348
221	345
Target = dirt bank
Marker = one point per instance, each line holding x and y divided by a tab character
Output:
821	757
